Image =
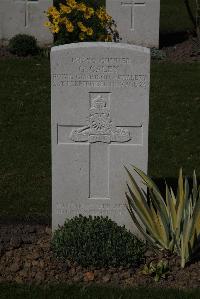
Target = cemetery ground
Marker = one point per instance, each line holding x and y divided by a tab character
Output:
25	163
26	258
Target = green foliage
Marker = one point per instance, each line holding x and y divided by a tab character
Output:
157	54
23	45
157	271
96	241
173	222
74	21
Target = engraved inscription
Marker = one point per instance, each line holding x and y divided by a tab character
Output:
105	60
101	208
102	72
96	80
100	127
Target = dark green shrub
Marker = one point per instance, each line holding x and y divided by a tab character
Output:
23	45
97	242
158	54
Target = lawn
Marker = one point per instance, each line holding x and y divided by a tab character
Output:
25	142
174	17
25	137
174	130
91	292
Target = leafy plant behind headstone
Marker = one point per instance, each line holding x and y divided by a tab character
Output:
23	45
73	21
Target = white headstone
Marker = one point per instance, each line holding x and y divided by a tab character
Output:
137	20
100	111
25	17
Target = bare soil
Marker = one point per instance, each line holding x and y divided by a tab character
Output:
184	51
26	257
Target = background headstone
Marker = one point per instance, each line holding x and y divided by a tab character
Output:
100	108
25	17
137	20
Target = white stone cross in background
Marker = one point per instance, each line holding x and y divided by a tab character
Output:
137	21
26	9
132	4
25	17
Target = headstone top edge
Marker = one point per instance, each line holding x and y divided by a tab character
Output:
101	45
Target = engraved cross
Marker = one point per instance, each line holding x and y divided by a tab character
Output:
26	9
99	133
132	4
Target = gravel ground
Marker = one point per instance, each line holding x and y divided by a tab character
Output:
26	257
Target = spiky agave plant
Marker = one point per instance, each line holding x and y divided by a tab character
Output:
171	223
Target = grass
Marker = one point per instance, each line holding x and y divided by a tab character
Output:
174	131
25	155
174	17
25	137
92	292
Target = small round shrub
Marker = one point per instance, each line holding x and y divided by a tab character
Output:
97	242
23	45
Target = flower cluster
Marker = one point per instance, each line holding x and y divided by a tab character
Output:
74	21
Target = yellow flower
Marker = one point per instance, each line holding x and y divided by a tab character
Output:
87	16
102	15
69	26
65	9
89	12
50	10
72	3
81	7
82	27
47	24
55	22
81	36
89	31
55	29
53	12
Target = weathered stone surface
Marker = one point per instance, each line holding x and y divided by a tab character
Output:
100	108
24	16
137	20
